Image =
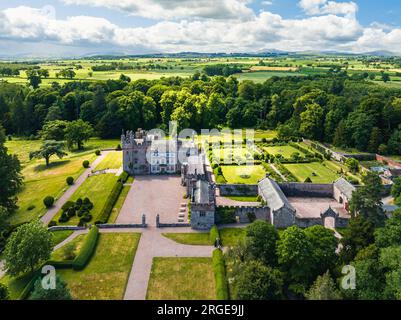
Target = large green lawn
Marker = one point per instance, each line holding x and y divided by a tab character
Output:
314	170
181	279
97	188
285	151
41	181
231	236
113	160
198	238
106	275
243	174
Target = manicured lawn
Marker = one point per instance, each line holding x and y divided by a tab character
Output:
106	275
233	155
285	151
97	189
243	174
314	170
60	236
181	279
231	236
190	238
267	134
41	181
243	198
119	204
59	254
113	160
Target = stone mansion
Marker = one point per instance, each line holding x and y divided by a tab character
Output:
284	204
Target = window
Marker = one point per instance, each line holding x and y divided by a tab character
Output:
202	214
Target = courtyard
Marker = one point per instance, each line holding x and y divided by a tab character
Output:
152	195
313	207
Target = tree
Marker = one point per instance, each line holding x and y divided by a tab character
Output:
53	130
366	200
255	281
359	235
295	256
396	188
10	173
4	294
324	244
312	122
261	239
33	78
324	288
26	248
352	164
77	132
61	292
390	235
48	149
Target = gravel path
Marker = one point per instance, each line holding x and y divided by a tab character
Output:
48	216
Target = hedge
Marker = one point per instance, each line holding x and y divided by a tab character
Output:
214	234
219	270
87	250
112	199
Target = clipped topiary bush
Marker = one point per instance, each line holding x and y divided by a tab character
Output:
85	164
98	153
70	181
214	234
48	201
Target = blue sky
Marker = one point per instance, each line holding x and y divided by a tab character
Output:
75	27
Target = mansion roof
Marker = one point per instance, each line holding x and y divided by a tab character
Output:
273	195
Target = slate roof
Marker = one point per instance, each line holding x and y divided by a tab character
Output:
273	195
345	187
196	165
201	192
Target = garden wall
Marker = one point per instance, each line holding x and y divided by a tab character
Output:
243	213
238	189
293	189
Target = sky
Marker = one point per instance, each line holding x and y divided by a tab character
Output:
78	27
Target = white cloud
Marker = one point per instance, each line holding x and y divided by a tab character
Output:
262	32
318	7
175	9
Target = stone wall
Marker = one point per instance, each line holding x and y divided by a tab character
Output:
283	217
62	228
293	189
308	222
121	226
238	189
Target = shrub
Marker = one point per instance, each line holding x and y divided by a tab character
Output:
97	152
225	215
214	234
118	147
87	250
85	164
31	207
70	181
219	270
123	177
48	201
52	224
251	216
308	180
67	205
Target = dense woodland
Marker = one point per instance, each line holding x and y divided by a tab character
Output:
347	111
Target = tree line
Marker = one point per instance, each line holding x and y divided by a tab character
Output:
347	111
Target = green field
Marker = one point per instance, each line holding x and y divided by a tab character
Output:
231	236
113	160
314	170
285	151
97	189
198	239
181	279
243	174
118	205
41	181
60	236
230	155
106	275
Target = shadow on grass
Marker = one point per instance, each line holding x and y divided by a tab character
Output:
52	165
